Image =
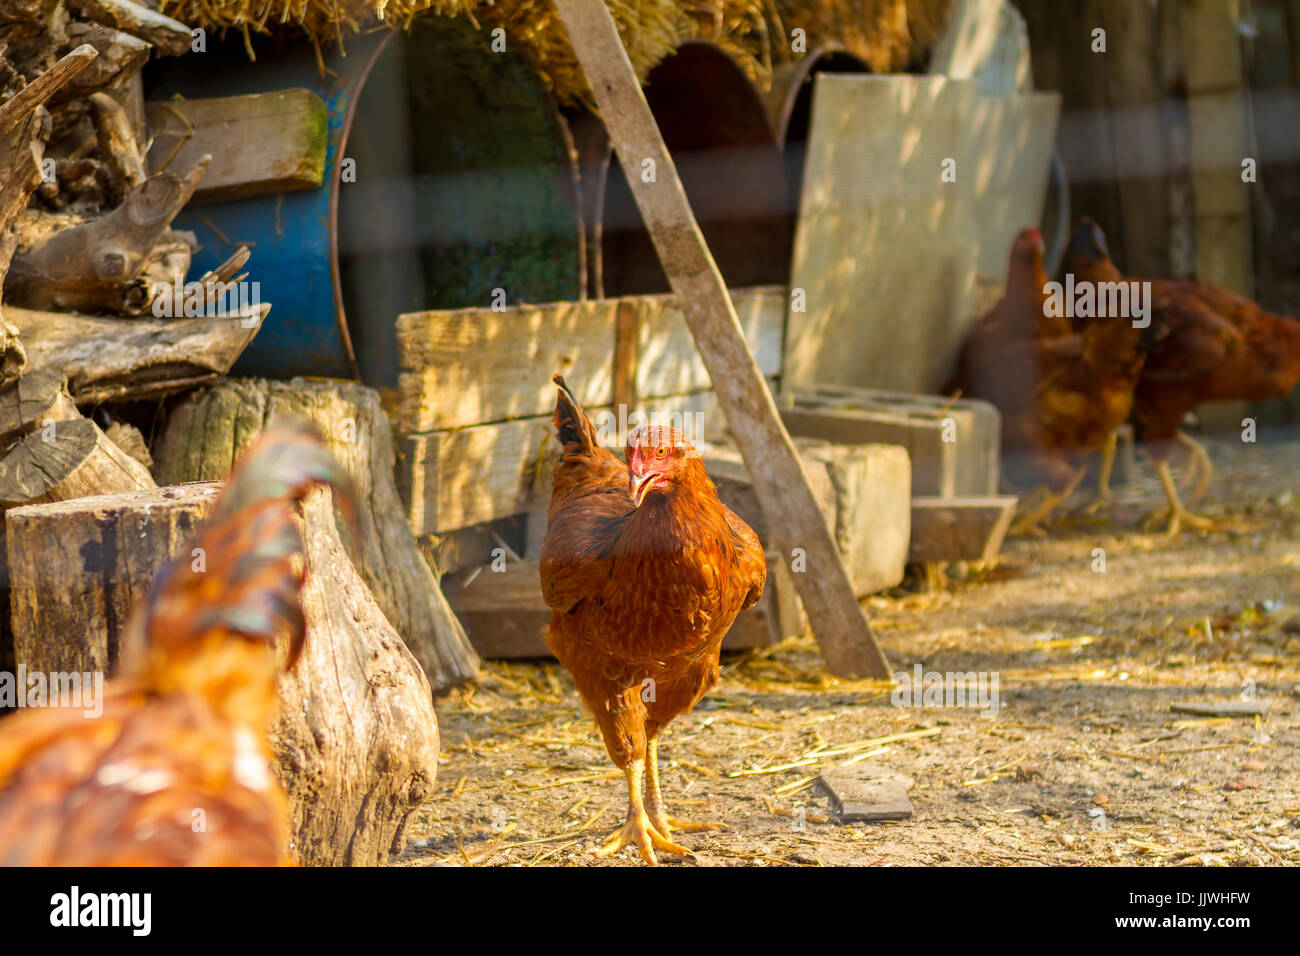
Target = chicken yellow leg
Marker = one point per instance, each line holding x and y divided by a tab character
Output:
638	831
1103	476
655	801
1178	513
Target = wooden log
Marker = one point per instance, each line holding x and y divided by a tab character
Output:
78	567
260	143
117	145
19	106
33	400
120	57
206	431
76	460
847	644
356	743
959	529
168	36
92	266
107	359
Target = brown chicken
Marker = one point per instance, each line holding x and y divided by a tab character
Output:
177	770
1080	390
644	570
1205	344
983	366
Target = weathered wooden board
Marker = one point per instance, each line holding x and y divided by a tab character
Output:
474	366
959	529
668	362
260	143
451	479
868	792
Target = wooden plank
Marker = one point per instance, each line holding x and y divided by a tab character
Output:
470	366
1222	708
473	366
868	792
985	40
960	529
847	644
452	479
260	143
668	362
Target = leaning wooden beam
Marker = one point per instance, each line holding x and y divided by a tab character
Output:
16	108
848	646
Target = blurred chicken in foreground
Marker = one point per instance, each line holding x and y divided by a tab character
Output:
644	570
1205	344
177	770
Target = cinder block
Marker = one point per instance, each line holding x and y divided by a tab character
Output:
953	445
865	495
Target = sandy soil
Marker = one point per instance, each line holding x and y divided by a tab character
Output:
1084	763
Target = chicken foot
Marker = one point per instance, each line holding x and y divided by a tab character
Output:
1177	512
1030	522
639	831
655	801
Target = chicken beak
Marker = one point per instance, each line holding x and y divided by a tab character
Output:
641	487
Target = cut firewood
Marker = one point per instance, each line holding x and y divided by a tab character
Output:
206	431
356	743
108	359
131	440
34	400
168	37
117	143
120	58
72	460
78	567
93	267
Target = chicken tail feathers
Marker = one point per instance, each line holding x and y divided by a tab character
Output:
574	428
243	572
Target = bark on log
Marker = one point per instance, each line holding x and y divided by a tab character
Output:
108	359
78	567
79	461
207	431
357	738
356	744
36	398
93	267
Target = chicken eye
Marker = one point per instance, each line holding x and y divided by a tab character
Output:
660	451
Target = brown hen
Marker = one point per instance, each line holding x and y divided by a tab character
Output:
177	770
644	570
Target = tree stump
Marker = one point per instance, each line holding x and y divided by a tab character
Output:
76	569
356	743
211	427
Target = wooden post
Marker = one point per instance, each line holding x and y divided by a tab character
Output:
848	646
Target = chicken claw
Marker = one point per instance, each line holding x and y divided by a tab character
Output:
639	831
655	801
1177	512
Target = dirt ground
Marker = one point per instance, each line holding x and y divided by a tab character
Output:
1084	763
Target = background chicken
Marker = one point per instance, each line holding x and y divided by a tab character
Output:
177	770
1081	391
985	365
1204	344
644	570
